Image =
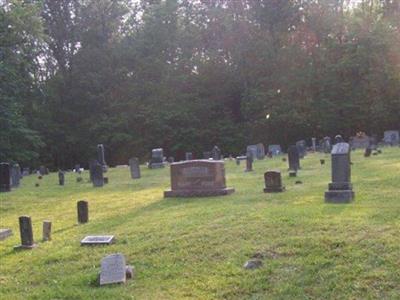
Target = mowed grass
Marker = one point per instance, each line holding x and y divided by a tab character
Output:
195	248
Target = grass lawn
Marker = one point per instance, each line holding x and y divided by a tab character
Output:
195	248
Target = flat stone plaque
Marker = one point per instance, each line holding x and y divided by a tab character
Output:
113	269
5	233
97	240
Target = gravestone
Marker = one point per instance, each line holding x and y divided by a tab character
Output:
340	190
43	170
92	240
157	159
273	182
207	154
368	152
134	167
26	172
25	229
198	178
326	144
188	156
61	177
92	164
274	149
5	184
391	137
293	158
314	144
101	157
5	233
97	176
249	163
251	150
301	148
15	175
113	269
260	151
46	230
216	153
83	211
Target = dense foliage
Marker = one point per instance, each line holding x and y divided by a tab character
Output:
185	75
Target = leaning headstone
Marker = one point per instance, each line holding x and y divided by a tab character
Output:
293	158
341	189
134	167
198	178
83	211
61	177
26	232
273	182
98	179
249	163
188	156
302	148
92	240
274	149
113	269
216	153
46	230
157	159
101	157
326	144
15	175
5	184
5	233
391	137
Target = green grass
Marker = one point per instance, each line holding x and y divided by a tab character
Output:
195	248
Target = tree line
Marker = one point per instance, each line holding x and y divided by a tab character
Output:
185	75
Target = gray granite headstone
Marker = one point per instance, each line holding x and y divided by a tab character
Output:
101	157
91	240
83	211
5	233
97	176
61	177
293	158
134	167
5	184
157	159
15	175
273	182
249	162
26	232
113	269
46	230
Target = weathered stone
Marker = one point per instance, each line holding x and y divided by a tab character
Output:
113	269
91	240
293	158
260	151
83	211
253	264
134	167
198	178
46	230
61	177
216	153
130	272
273	182
26	232
367	152
391	137
157	159
15	175
101	157
301	148
5	233
26	171
5	184
43	170
97	175
249	163
251	151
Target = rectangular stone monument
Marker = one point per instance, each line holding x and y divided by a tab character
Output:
46	230
251	150
5	182
113	269
293	158
26	232
273	182
101	157
157	159
97	176
83	211
341	189
61	177
92	240
15	175
198	178
188	156
302	148
274	149
134	167
249	163
5	233
216	153
326	144
260	151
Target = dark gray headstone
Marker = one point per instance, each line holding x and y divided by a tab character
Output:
273	182
61	177
274	149
113	269
157	159
97	176
5	184
15	175
249	162
216	153
341	189
46	230
26	232
101	157
83	211
91	240
293	158
134	167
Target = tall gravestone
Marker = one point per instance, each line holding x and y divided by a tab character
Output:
101	157
5	184
273	182
134	167
15	175
249	162
293	158
216	153
251	150
340	190
61	177
97	176
314	144
83	211
157	159
26	232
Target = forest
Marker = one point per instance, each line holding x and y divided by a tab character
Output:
186	75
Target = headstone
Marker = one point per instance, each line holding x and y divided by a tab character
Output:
15	175
26	172
113	269
26	232
301	148
249	163
61	177
273	182
92	240
326	144
157	158
368	152
251	150
5	233
293	158
5	184
188	156
260	151
274	149
83	211
216	153
134	167
207	154
314	144
43	170
92	164
77	168
101	157
391	137
292	173
46	230
97	176
340	190
198	178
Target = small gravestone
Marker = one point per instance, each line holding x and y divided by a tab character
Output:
391	137
26	232
274	149
157	159
273	182
46	230
5	184
91	240
301	148
322	161
113	269
97	176
134	167
293	158
292	173
216	153
249	163
341	189
83	211
15	175
368	152
188	156
101	157
5	233
61	177
252	264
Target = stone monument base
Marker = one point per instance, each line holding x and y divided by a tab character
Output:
198	193
25	247
339	196
277	189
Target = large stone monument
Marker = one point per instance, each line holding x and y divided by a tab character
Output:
341	189
157	159
134	167
5	184
198	178
101	157
293	158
